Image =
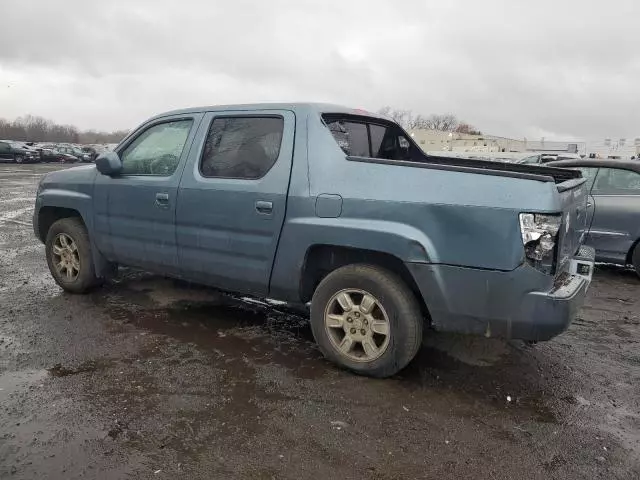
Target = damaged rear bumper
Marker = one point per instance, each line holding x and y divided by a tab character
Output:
520	304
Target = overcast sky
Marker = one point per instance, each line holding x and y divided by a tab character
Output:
559	69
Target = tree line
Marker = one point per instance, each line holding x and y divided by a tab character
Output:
38	129
446	122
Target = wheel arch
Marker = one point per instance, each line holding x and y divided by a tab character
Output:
629	258
52	206
48	215
322	259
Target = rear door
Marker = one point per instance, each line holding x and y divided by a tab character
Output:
232	199
135	211
616	220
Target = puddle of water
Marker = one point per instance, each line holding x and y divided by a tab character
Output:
506	386
219	323
13	199
469	349
59	370
243	334
13	381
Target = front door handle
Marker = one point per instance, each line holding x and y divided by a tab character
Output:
265	208
162	200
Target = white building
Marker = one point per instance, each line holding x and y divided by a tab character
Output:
436	140
611	148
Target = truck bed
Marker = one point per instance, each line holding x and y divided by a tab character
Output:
517	170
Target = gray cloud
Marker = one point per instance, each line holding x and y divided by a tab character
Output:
548	68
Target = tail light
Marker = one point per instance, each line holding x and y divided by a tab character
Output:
540	240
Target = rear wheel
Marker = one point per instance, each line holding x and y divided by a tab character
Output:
366	319
68	251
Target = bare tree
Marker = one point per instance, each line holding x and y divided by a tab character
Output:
447	122
467	129
444	122
37	129
404	118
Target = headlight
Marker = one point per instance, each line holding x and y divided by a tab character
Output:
540	238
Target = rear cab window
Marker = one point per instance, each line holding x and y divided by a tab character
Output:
371	137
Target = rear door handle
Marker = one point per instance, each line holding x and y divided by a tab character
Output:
162	200
265	208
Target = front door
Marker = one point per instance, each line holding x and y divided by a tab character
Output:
135	211
232	199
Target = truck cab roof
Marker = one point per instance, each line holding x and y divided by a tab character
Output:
296	107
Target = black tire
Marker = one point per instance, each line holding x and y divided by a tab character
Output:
399	302
19	158
86	278
635	258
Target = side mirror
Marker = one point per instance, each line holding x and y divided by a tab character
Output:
109	163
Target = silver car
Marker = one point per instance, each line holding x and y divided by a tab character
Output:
613	208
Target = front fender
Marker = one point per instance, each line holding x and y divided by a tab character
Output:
70	199
81	203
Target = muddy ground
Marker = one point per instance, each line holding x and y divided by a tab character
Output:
151	378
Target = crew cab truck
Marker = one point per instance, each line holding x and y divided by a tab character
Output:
339	207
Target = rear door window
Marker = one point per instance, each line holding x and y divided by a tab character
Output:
241	147
616	181
590	174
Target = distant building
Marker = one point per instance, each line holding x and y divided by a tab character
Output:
610	148
436	140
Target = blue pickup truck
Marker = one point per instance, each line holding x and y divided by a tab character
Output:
334	206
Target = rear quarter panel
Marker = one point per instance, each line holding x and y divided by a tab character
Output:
416	214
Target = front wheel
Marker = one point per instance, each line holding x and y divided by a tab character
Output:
68	251
366	319
19	159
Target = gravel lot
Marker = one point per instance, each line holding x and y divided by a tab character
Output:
151	378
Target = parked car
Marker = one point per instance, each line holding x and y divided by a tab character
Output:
51	155
540	158
92	153
67	154
79	155
15	152
29	146
304	202
614	208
